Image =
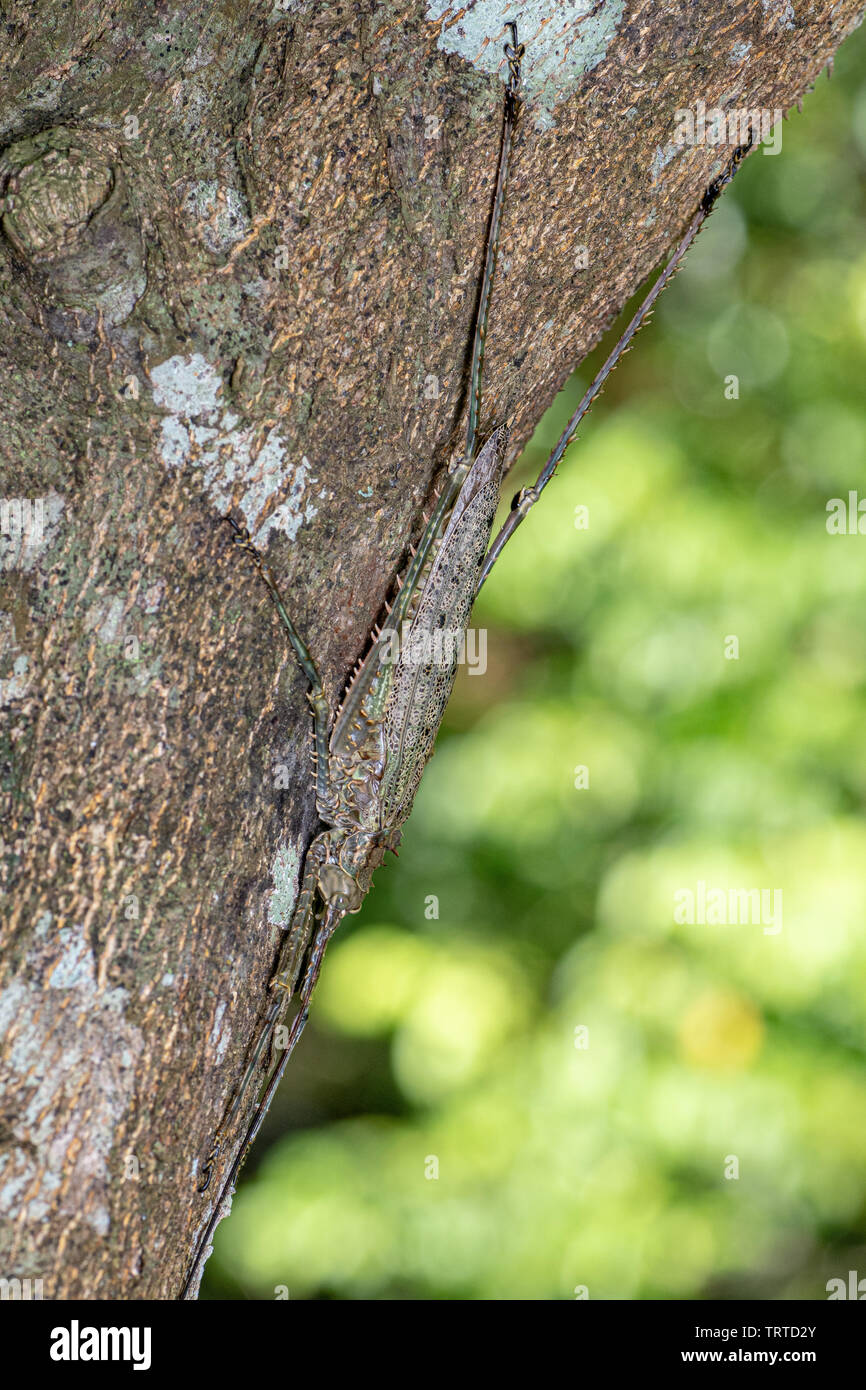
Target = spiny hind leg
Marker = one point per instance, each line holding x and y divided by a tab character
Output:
294	949
309	954
316	694
323	933
283	982
310	945
313	954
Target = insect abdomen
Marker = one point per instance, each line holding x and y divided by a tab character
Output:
425	670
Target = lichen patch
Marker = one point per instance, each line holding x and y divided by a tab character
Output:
563	42
240	465
285	872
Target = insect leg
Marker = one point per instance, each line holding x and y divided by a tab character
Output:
283	981
316	694
331	920
328	925
527	499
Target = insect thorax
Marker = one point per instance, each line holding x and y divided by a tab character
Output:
385	729
357	762
349	860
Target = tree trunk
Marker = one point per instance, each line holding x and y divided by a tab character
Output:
239	261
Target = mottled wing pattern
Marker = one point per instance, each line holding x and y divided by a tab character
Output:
427	664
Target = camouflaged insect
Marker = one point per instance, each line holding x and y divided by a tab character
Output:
369	766
369	758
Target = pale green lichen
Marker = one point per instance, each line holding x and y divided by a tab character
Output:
563	42
218	213
663	157
779	13
235	463
105	620
18	684
285	872
22	549
69	1165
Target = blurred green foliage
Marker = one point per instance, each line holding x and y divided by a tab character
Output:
583	1072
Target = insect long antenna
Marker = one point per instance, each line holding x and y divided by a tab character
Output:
333	915
529	496
514	52
453	483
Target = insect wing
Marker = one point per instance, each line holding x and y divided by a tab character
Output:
430	649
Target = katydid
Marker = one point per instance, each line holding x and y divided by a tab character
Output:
370	754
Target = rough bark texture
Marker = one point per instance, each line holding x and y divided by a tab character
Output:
239	260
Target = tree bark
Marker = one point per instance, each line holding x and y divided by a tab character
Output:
240	255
